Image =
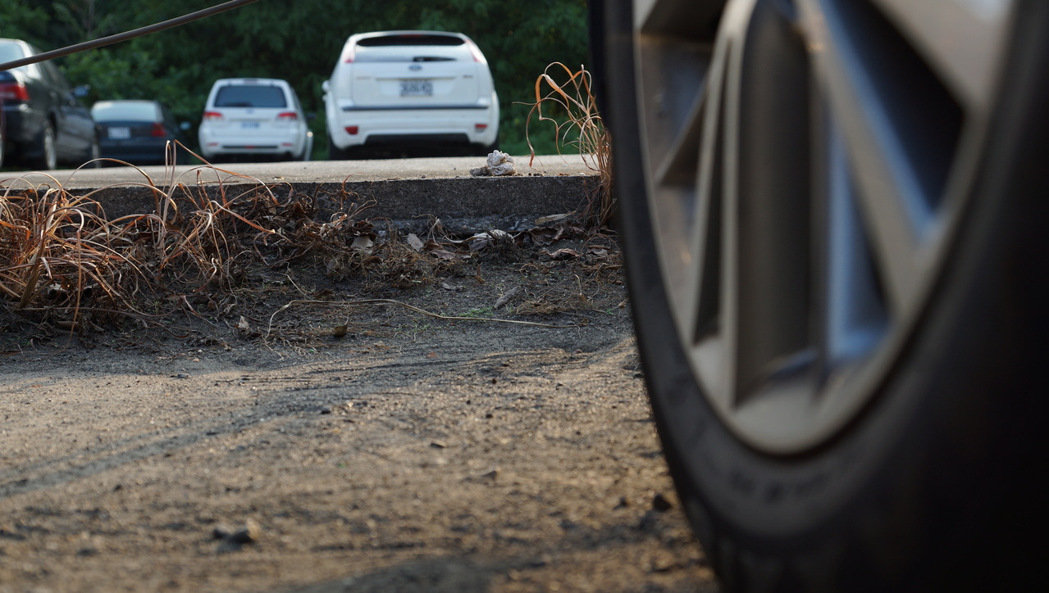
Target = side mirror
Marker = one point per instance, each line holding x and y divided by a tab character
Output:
325	86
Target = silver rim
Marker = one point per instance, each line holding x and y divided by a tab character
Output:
806	164
50	155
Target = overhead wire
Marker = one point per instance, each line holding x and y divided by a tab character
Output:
119	37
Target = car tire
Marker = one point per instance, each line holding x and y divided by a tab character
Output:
483	150
335	153
47	157
94	155
839	413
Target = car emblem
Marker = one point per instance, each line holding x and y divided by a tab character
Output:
415	67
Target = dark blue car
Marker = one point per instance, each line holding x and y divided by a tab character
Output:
136	131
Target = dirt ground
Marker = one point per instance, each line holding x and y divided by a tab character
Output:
477	428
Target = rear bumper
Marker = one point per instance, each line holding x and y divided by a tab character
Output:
22	125
213	144
469	124
144	152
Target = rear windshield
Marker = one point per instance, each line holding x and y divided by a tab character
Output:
410	39
125	112
250	95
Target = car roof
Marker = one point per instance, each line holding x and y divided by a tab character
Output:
407	32
272	81
125	101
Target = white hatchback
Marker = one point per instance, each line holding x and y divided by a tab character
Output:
404	89
254	117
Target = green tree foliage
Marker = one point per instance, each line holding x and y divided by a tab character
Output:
297	40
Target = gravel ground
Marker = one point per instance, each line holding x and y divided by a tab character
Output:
317	439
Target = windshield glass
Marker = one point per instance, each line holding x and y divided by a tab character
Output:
124	111
250	95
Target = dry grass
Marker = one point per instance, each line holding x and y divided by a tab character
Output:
64	262
568	100
208	247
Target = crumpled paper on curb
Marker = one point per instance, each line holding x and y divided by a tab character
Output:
498	164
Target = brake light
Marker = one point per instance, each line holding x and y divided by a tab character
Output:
14	91
287	115
352	130
157	131
476	53
212	115
350	54
480	127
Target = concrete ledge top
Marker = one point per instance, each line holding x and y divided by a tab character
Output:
397	189
291	172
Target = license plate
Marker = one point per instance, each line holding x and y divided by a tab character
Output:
119	133
249	125
416	88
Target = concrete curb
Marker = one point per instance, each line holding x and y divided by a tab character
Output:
402	190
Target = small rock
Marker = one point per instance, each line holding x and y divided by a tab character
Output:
247	534
232	539
497	164
660	503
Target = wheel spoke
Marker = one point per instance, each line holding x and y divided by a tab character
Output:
699	301
962	39
899	163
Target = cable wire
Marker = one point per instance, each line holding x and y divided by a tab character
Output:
117	38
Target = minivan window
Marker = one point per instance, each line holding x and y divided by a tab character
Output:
250	95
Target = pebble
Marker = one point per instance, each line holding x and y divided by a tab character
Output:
660	503
248	533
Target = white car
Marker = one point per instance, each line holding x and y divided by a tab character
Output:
404	89
254	117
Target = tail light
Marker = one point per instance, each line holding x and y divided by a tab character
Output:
352	130
480	127
13	91
157	131
287	116
212	115
476	53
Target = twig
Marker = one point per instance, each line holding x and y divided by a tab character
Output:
361	302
